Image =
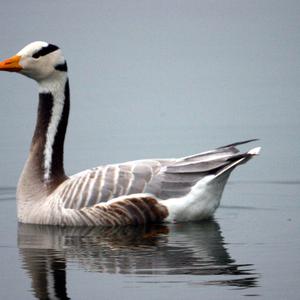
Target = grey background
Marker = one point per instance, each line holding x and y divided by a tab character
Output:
160	79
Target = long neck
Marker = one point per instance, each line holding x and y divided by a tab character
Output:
45	162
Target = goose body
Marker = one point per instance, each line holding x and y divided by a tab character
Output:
135	192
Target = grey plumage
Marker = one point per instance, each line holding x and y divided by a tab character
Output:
163	178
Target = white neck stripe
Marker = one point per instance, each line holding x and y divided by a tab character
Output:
57	88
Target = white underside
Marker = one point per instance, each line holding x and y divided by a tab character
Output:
200	203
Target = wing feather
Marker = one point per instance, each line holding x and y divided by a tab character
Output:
127	210
164	178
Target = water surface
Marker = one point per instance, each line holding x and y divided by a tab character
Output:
250	248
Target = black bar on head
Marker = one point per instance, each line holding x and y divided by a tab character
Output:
45	50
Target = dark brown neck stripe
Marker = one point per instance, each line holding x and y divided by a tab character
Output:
45	108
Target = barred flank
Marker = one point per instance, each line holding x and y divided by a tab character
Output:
132	210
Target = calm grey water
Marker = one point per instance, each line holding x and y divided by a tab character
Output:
161	79
251	248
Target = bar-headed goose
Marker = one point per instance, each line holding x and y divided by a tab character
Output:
135	192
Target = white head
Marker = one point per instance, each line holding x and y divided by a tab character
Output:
38	60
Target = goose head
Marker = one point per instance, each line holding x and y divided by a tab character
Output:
37	60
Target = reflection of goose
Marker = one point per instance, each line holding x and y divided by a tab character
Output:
183	189
194	249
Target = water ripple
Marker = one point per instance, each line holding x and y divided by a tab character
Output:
195	249
7	193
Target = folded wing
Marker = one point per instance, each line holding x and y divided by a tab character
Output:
163	178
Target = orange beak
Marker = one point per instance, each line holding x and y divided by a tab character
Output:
11	64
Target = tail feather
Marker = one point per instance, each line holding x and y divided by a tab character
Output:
177	178
238	160
220	152
204	196
238	143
